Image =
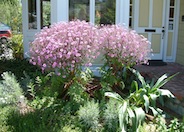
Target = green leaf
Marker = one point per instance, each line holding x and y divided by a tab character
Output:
154	111
146	103
140	116
134	86
114	96
122	116
163	80
132	117
139	76
153	99
130	112
165	92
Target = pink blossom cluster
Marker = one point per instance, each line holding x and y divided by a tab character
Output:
124	45
65	46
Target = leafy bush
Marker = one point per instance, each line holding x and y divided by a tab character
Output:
19	67
123	47
110	116
16	45
4	114
10	90
134	107
130	116
89	115
146	94
67	46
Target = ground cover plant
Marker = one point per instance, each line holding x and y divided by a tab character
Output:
61	96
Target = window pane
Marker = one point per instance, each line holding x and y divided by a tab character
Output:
130	1
130	10
45	13
172	2
171	13
79	9
130	22
32	14
105	11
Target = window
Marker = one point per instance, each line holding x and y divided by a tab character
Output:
79	9
171	14
45	13
32	14
131	14
105	11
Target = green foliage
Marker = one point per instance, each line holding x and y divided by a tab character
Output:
89	115
108	12
145	96
70	128
11	14
42	103
130	116
16	45
111	116
48	119
111	80
176	126
19	67
4	113
10	90
142	98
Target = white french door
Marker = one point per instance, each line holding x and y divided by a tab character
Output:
149	21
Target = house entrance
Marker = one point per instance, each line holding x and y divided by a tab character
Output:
149	21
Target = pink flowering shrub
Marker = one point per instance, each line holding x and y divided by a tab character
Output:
124	46
65	46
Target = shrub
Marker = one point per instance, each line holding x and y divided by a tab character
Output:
65	46
134	107
111	116
16	45
89	115
10	90
123	47
19	67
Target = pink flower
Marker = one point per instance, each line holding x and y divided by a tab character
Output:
54	65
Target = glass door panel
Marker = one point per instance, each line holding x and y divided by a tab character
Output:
45	13
105	11
79	9
32	14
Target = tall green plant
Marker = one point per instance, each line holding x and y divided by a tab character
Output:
130	116
16	44
133	108
89	115
146	94
10	90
